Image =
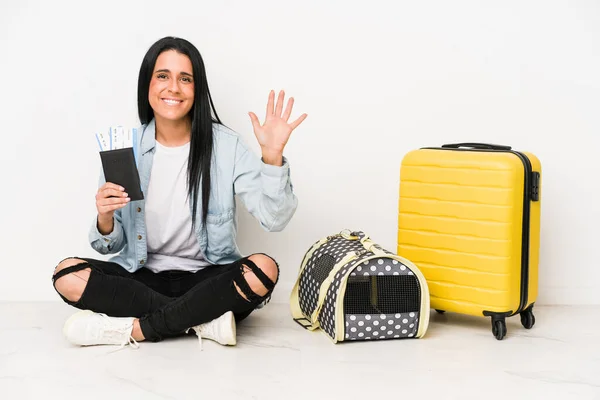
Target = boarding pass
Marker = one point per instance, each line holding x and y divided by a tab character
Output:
117	137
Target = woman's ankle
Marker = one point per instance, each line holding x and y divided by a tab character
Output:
136	333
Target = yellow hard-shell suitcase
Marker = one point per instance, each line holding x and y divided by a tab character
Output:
469	218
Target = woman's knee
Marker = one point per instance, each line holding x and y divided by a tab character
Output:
269	268
71	284
267	265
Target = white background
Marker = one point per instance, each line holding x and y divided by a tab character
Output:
377	79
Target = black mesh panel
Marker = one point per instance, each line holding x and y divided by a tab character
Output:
323	267
388	294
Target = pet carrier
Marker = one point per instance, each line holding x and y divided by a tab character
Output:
353	289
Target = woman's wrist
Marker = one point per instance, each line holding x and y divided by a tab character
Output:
105	224
272	157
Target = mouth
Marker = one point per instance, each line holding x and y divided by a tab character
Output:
172	102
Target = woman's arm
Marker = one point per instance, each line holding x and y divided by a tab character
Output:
265	185
266	190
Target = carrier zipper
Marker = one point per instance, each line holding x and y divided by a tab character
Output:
530	193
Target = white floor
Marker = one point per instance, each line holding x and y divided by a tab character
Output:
276	359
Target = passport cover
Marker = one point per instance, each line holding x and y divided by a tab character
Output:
119	168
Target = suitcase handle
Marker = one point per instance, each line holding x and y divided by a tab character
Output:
485	146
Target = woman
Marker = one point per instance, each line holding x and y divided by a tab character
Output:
176	265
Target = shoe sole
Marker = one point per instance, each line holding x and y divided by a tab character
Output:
73	318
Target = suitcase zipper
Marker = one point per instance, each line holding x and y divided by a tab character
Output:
527	191
530	193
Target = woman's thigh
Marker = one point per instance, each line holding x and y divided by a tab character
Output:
143	275
181	282
228	282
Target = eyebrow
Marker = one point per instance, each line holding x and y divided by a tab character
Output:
166	70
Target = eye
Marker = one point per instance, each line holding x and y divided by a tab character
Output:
187	79
162	76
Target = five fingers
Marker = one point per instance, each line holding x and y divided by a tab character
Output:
275	109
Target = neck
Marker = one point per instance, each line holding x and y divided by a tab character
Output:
173	133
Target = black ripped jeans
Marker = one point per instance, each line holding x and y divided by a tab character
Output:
169	302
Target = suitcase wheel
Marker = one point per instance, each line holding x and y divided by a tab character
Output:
498	327
527	318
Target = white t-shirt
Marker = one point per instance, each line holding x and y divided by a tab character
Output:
171	243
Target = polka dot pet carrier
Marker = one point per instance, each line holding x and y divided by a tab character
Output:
352	289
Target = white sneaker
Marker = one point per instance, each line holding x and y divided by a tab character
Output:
87	328
221	330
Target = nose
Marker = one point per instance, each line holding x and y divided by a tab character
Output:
173	86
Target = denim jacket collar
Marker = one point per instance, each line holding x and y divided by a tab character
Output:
148	141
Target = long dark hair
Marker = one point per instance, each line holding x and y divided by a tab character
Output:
203	115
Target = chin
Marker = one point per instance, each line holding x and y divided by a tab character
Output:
171	116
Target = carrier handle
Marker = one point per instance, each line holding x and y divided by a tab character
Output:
369	244
483	146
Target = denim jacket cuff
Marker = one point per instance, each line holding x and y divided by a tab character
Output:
107	240
275	177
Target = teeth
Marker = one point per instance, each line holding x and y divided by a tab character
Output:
171	102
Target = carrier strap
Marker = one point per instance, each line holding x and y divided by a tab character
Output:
312	323
350	257
295	309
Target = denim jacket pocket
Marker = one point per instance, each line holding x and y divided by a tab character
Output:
221	230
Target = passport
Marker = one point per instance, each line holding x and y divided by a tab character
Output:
120	168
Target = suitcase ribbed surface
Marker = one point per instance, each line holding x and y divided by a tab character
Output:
460	222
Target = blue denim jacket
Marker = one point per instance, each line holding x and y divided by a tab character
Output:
266	191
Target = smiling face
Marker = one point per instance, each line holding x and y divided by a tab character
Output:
171	92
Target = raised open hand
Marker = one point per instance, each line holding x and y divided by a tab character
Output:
275	132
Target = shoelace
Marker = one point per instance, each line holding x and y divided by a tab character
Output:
198	331
119	332
132	342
